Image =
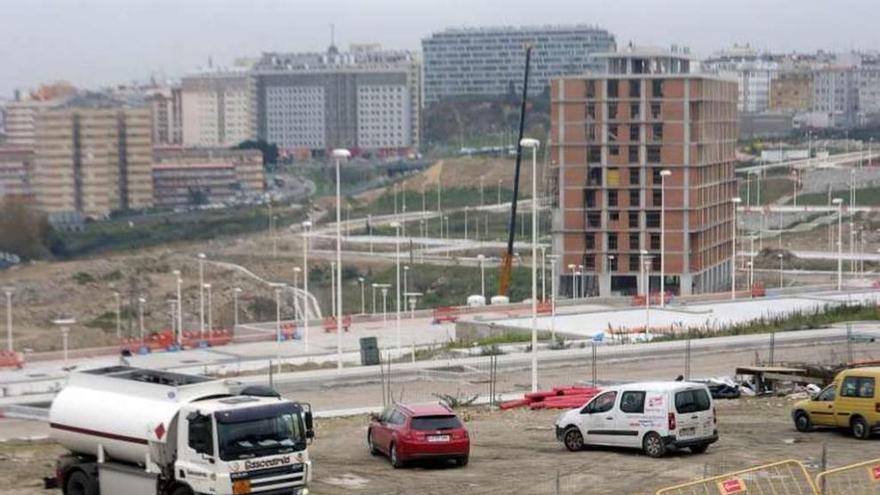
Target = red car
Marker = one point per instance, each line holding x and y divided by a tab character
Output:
409	433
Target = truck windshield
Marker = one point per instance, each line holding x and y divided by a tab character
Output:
260	437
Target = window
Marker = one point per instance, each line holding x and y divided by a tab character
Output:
591	89
634	176
652	219
594	220
634	263
634	241
655	241
633	219
589	262
590	132
433	423
828	394
634	197
591	110
634	154
657	131
602	403
397	418
657	88
632	402
614	150
594	154
657	196
612	241
612	198
634	111
590	241
201	435
635	89
858	387
653	154
590	199
634	133
613	88
692	401
655	111
612	111
656	178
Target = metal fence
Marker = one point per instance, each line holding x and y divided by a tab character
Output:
788	477
856	479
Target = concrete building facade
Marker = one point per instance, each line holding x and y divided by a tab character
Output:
21	116
612	135
754	72
836	95
93	156
367	98
491	61
192	184
16	165
247	164
216	108
167	106
791	91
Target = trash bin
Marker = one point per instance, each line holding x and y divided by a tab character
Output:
369	351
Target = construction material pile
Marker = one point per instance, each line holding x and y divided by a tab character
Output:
555	398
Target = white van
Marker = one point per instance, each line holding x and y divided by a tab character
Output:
653	416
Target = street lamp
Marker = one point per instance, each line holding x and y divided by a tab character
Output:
64	324
363	302
571	270
553	259
543	272
779	255
306	226
373	292
141	302
278	289
201	257
482	260
296	272
118	298
235	292
663	175
533	145
839	203
8	292
179	281
339	155
396	227
210	311
581	286
735	202
405	283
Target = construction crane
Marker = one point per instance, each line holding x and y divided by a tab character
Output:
507	260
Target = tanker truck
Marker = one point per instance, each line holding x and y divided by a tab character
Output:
133	431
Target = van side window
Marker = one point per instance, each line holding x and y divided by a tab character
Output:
858	387
828	394
602	403
632	402
691	401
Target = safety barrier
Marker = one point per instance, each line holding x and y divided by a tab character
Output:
155	341
639	300
856	479
545	308
10	359
445	313
288	331
786	477
330	324
758	290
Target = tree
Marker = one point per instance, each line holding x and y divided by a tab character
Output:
24	230
269	150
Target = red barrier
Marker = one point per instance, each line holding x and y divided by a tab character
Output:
545	308
219	337
330	324
758	290
445	313
288	331
639	300
10	359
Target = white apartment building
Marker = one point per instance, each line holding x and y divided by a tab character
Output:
216	108
753	71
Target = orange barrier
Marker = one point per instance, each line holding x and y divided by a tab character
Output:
639	300
545	308
10	359
758	290
288	331
445	313
331	326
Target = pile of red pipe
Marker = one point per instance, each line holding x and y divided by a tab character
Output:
555	398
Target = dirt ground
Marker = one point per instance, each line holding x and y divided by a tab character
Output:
516	451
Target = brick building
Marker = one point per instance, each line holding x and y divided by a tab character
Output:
612	135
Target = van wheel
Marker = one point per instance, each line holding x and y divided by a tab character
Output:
573	439
802	422
80	483
653	445
860	428
396	463
699	449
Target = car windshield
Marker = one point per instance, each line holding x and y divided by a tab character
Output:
428	423
261	437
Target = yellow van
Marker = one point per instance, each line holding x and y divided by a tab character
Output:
852	401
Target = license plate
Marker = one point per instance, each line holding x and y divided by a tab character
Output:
438	438
688	432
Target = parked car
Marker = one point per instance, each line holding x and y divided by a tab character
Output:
653	417
852	401
407	433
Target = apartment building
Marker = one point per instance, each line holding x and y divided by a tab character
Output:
753	71
166	103
869	94
791	91
612	136
194	184
367	98
15	170
20	122
489	61
216	108
247	165
93	156
836	95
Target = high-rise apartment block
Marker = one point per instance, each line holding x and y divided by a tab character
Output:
613	135
15	171
367	98
246	166
791	91
166	104
754	72
491	61
836	95
216	108
21	116
93	156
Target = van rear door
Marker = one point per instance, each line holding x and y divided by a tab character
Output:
694	417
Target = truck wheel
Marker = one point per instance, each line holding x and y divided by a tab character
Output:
802	422
182	490
80	483
860	428
653	445
573	439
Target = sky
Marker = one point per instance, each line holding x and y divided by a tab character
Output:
94	43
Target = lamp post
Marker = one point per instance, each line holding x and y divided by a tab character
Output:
405	283
553	259
179	281
482	260
235	292
118	298
663	175
306	226
396	226
543	273
781	284
363	308
339	155
533	145
9	344
571	270
141	302
839	203
278	289
647	294
751	261
581	288
210	311
64	324
735	202
499	192
384	289
201	257
373	292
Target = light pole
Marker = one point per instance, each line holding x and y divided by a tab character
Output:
118	298
735	202
141	302
9	345
384	288
306	226
210	312
553	259
751	262
533	145
481	190
373	295
339	155
499	192
201	257
839	203
482	260
396	227
64	324
580	284
781	284
663	175
648	294
278	324
179	281
543	273
363	302
571	268
405	282
235	292
296	272
333	289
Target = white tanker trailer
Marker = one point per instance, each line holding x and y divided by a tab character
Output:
134	431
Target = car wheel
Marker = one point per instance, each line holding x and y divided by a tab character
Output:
573	439
699	449
396	463
463	461
860	428
80	483
653	445
802	422
373	449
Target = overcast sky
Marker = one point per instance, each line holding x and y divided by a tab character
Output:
100	42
